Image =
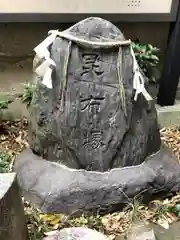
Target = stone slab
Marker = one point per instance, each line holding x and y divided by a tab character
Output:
152	232
169	116
141	232
173	233
12	220
138	231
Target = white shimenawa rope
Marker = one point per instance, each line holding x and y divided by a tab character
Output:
46	68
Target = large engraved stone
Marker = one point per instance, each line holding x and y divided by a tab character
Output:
12	219
94	142
84	121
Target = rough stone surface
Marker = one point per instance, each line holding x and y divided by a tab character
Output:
169	116
77	233
88	120
12	219
91	145
173	233
140	231
55	188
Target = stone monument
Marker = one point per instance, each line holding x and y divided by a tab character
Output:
12	218
94	137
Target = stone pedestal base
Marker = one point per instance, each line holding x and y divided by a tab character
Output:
55	188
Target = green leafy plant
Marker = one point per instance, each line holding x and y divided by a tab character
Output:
28	93
147	59
4	104
4	162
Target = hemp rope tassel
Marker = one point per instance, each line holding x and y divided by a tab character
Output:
103	45
65	76
120	79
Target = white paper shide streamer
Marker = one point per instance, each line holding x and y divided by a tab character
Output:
138	81
45	69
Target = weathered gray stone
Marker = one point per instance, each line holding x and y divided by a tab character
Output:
55	188
169	116
91	145
76	233
12	219
140	231
88	120
157	232
173	233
